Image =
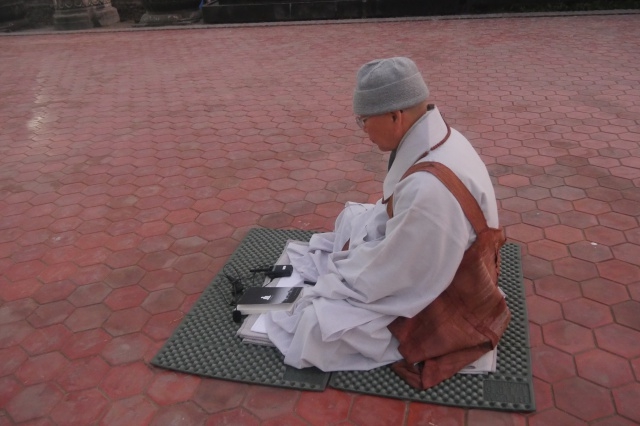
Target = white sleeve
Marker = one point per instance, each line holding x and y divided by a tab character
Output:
404	272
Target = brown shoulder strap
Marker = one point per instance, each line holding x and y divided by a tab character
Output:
467	201
389	203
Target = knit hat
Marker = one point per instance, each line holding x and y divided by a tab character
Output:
386	85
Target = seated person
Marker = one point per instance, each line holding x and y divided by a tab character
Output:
391	259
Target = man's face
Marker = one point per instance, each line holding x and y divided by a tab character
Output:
383	130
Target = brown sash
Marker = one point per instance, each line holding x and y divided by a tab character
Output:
469	317
433	148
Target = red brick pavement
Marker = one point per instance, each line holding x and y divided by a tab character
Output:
132	163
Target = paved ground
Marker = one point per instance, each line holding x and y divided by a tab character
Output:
132	164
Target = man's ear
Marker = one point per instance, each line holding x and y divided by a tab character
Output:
398	124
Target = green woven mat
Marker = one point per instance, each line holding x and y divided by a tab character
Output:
205	344
510	388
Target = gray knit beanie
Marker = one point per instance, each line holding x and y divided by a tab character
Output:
386	85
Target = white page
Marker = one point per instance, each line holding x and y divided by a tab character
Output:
485	364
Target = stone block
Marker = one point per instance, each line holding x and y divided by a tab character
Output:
83	14
176	17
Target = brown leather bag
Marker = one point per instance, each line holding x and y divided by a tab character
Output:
469	317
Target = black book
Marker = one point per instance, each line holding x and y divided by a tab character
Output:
257	300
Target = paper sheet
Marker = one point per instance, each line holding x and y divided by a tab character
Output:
485	364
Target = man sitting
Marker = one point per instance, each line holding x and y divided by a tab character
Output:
390	260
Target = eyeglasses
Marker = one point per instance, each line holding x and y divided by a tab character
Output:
361	120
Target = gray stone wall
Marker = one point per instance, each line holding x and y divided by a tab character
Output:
39	12
129	10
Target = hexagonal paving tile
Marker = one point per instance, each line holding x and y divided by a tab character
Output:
557	288
126	381
619	339
551	365
583	399
575	269
604	291
563	234
169	388
619	271
603	368
626	399
628	314
81	407
266	403
34	402
375	410
219	395
567	336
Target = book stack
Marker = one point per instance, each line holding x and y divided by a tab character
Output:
258	300
277	294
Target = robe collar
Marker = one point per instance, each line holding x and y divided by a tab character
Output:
425	133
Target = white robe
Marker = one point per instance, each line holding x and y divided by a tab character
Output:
394	267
